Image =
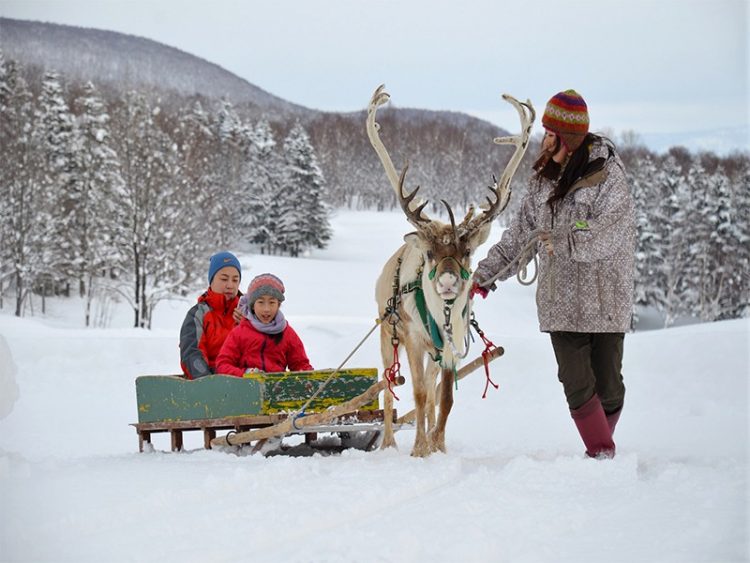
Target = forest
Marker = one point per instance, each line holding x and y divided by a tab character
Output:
121	194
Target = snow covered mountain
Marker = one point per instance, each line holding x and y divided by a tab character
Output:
123	61
117	62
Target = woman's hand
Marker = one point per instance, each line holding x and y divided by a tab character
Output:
546	239
478	289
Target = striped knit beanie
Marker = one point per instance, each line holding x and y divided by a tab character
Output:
265	284
566	115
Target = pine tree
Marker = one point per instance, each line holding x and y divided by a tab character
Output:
694	268
739	305
98	237
22	183
57	137
201	172
717	216
234	141
648	292
8	130
304	220
259	207
675	237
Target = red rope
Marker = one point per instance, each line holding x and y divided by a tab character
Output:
392	372
488	347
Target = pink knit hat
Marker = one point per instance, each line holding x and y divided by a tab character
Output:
265	284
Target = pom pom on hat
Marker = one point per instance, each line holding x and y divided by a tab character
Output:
265	284
567	115
222	260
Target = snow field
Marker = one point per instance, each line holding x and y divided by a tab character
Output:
514	485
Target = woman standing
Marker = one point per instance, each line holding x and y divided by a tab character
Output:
580	208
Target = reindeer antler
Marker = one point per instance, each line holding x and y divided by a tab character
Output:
499	196
415	216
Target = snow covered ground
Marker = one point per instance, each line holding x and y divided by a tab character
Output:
514	485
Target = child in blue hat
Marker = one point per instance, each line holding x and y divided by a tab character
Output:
208	322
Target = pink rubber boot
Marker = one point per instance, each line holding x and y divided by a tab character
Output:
594	428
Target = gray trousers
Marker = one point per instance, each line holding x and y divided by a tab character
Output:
590	363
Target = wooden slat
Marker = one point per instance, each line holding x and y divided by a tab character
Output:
410	416
286	426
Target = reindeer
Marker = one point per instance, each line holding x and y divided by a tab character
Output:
432	272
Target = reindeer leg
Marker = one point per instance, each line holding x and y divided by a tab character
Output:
437	436
386	351
431	382
421	445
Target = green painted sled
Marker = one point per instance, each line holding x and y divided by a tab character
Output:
164	398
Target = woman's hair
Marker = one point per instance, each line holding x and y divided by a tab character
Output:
577	166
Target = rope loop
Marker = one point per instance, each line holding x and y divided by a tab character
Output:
394	371
489	346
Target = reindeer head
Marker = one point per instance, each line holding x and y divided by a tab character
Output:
447	249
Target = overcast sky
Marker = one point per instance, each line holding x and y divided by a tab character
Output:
661	66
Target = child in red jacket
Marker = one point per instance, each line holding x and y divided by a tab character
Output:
208	323
263	341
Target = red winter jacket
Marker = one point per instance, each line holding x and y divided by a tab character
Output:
246	347
203	332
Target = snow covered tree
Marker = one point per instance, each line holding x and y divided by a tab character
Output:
162	247
675	236
263	178
739	305
96	238
204	196
8	130
647	258
717	216
232	156
23	197
304	214
57	137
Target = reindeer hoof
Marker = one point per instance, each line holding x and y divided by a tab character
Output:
437	442
388	442
421	450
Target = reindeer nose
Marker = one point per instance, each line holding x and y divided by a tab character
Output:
447	282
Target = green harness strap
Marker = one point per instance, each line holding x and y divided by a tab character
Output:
427	321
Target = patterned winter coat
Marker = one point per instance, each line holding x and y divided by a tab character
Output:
587	285
203	332
246	347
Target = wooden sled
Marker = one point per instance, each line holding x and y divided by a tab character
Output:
256	409
173	404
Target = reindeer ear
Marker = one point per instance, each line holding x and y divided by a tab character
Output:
417	240
480	236
412	239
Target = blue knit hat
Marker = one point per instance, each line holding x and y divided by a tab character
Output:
222	260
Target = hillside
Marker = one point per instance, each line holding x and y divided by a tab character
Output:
126	61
